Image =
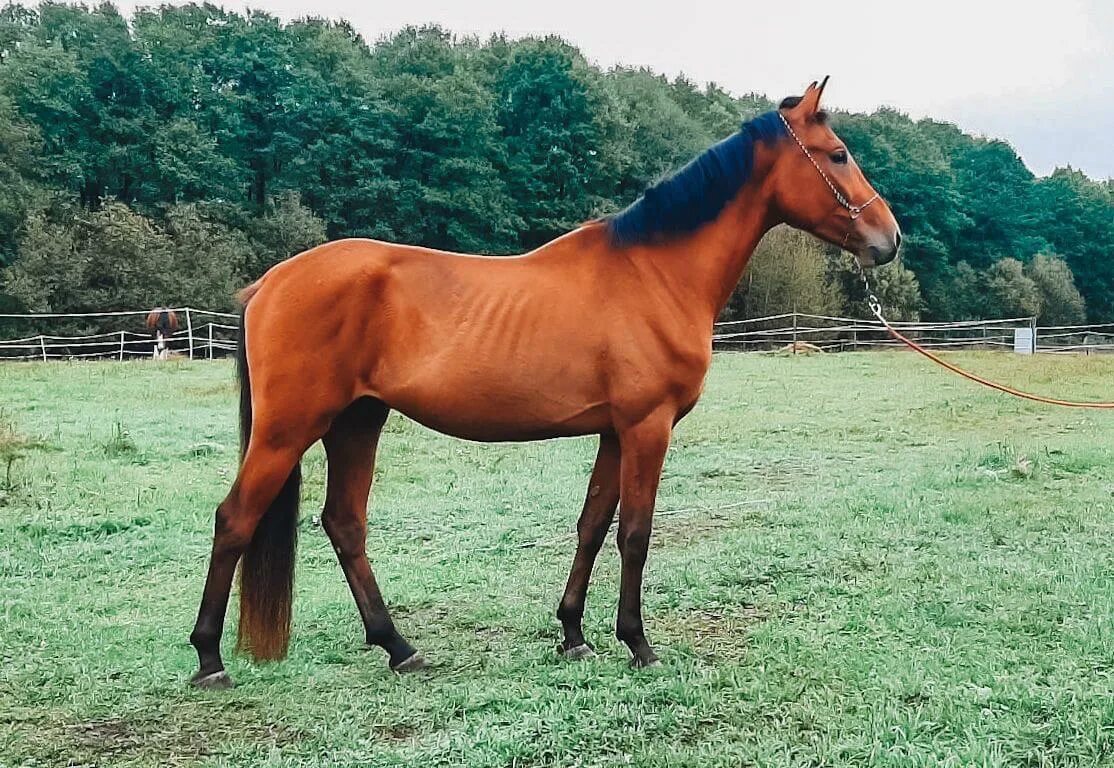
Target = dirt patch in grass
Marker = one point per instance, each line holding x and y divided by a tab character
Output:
220	389
683	527
713	633
164	739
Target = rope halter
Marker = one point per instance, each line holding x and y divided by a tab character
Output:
853	210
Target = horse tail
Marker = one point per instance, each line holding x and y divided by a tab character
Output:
267	565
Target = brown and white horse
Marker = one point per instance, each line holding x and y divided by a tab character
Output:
162	323
605	331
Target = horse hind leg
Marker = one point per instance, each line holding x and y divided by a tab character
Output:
267	484
350	445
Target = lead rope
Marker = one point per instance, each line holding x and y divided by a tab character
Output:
854	211
876	308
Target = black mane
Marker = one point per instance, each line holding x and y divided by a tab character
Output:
697	193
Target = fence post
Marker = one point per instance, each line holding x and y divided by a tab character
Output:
794	330
121	345
1033	326
42	343
210	340
189	330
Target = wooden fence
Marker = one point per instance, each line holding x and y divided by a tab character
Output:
798	330
205	334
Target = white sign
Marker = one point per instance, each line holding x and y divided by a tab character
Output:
1024	341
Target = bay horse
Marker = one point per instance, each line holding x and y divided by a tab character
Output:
162	323
604	331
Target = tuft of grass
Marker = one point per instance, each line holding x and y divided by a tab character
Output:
203	450
13	446
857	561
120	443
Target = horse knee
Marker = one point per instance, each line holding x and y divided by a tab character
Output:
590	534
633	541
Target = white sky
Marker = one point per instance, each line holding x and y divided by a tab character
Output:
1038	73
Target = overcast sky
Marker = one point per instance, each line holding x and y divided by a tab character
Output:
1037	73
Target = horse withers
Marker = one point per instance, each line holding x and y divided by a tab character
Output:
604	331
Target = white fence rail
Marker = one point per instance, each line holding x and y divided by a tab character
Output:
795	330
205	334
202	333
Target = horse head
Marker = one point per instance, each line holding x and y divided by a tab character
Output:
818	187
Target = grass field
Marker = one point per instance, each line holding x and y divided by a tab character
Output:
858	560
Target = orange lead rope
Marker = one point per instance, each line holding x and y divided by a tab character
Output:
876	308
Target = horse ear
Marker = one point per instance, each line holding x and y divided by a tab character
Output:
810	102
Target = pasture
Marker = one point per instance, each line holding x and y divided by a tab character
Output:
857	560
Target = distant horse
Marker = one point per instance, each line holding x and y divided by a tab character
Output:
605	331
162	323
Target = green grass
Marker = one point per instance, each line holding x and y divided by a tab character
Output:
858	560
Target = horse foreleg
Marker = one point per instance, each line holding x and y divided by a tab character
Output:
350	444
591	529
643	455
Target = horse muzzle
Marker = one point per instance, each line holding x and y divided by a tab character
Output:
881	250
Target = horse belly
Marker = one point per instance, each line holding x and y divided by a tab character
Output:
491	408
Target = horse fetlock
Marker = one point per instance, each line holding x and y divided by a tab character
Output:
569	611
629	630
205	640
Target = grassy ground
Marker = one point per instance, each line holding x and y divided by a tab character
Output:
858	561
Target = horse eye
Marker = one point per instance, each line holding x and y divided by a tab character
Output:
839	157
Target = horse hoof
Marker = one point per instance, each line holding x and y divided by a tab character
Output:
212	681
639	663
577	652
412	663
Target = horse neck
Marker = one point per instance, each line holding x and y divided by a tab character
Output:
703	268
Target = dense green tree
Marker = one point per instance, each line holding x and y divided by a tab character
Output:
714	108
960	295
448	191
1009	291
658	135
109	259
18	147
342	133
285	229
1061	302
210	136
550	105
1076	215
916	179
204	259
787	273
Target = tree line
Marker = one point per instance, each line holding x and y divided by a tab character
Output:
169	158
